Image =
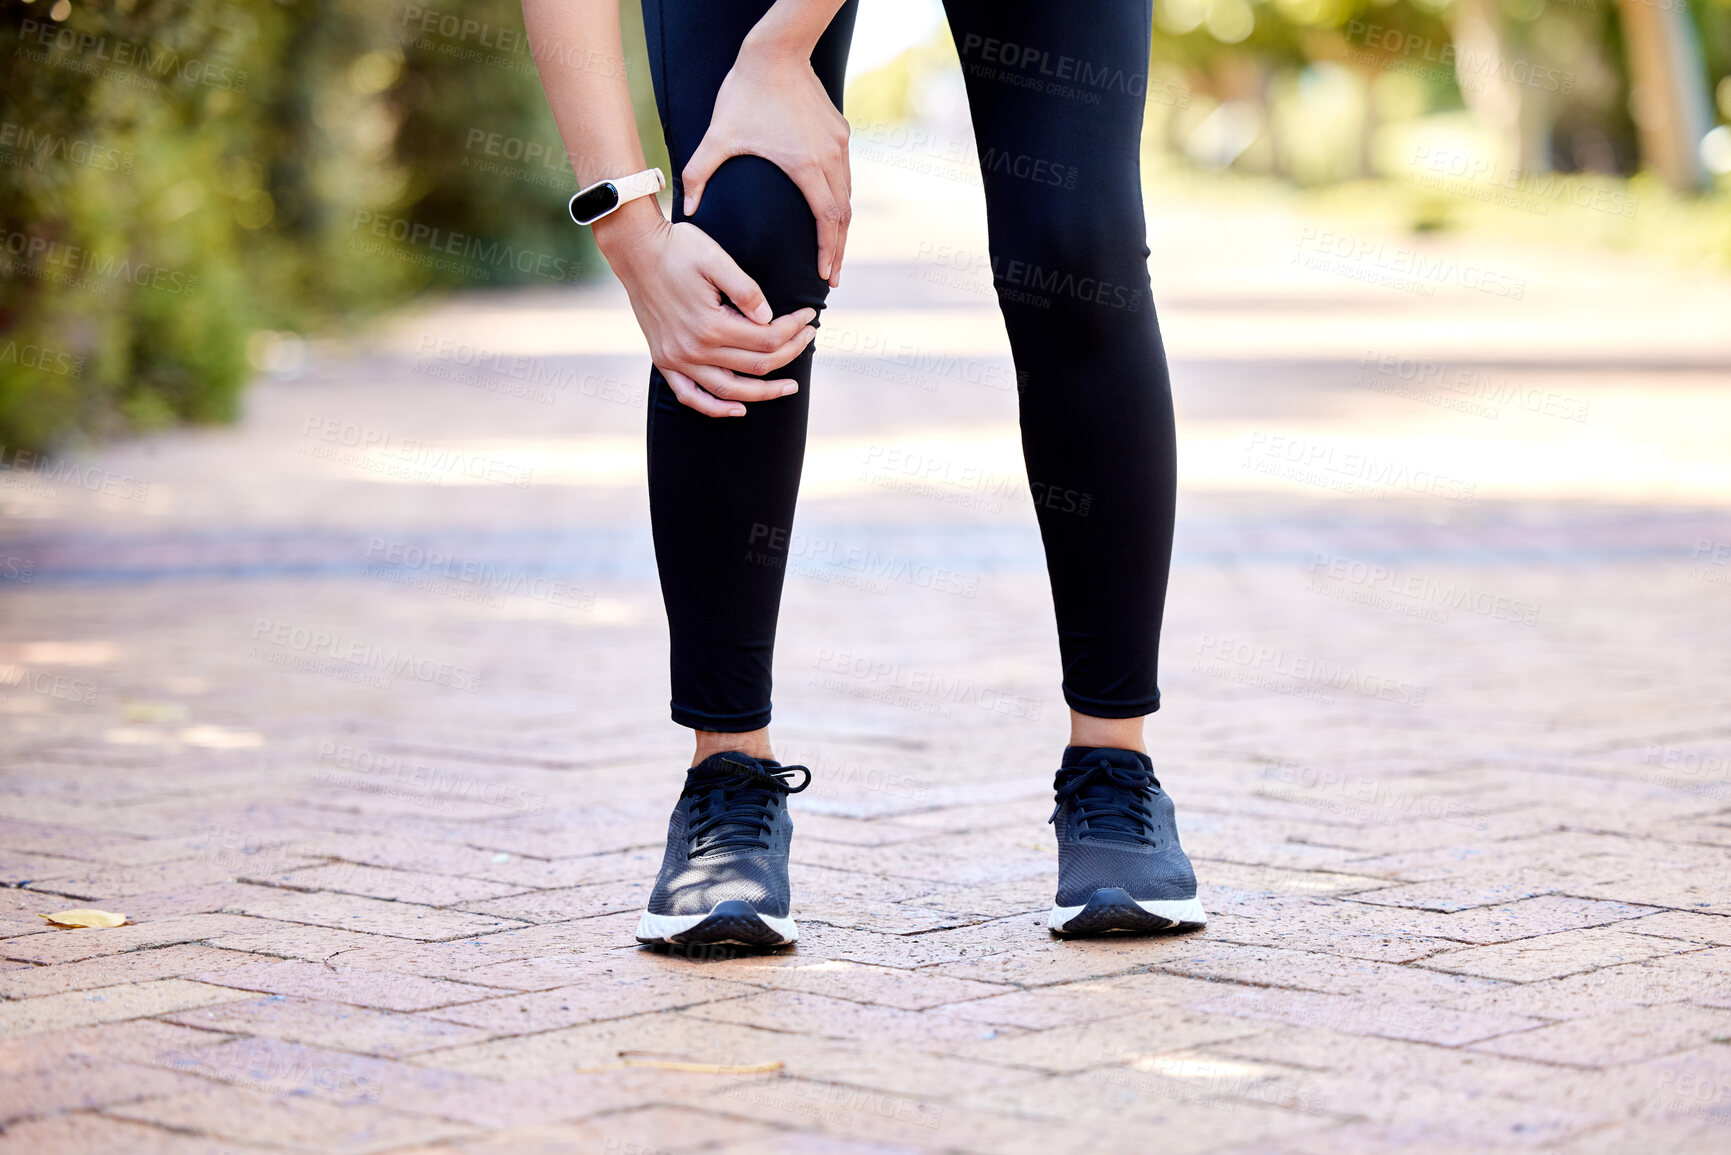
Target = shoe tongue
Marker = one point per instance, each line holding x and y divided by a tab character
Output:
1108	825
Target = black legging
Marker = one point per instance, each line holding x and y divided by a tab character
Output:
1056	93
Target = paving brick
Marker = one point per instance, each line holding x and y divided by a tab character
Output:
63	946
396	885
115	883
645	1131
177	961
1628	1036
671	1034
106	1005
1596	992
326	1024
858	982
141	1041
99	1135
266	936
1120	1039
235	1113
594	999
82	1086
362	988
571	902
373	916
1353	1015
1701	928
1552	955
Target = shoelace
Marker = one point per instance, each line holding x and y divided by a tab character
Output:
1110	803
734	809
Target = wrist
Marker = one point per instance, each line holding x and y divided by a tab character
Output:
622	232
771	44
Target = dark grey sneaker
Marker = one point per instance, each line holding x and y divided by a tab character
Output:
724	878
1120	867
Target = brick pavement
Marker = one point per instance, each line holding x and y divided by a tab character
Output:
357	710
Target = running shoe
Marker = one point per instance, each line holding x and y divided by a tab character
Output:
1120	867
724	878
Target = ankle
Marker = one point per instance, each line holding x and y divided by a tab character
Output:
752	742
1115	733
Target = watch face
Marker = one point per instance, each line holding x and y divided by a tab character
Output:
594	202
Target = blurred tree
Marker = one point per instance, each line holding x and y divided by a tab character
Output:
1670	96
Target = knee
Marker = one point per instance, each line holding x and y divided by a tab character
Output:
758	215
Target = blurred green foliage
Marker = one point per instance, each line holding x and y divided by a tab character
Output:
178	177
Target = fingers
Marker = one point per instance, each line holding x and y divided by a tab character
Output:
841	187
700	168
757	364
813	180
692	396
728	330
732	387
727	276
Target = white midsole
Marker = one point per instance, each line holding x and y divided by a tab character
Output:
665	926
1184	910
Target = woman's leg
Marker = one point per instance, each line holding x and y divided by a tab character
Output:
722	490
1056	93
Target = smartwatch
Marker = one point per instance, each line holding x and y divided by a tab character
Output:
605	196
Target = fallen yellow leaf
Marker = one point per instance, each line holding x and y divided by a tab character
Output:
86	918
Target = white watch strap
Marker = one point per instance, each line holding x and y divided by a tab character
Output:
639	184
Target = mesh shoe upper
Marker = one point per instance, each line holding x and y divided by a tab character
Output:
1116	828
728	838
